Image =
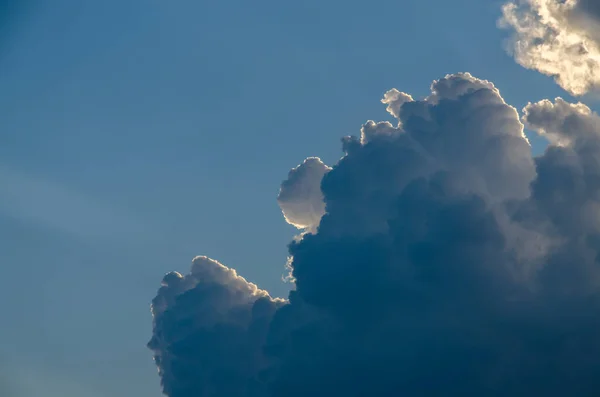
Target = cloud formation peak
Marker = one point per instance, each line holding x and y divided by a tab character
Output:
446	261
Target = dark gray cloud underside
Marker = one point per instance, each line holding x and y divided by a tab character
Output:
442	260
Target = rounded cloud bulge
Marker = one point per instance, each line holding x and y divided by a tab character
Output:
300	197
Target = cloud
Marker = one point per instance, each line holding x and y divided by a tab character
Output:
300	197
20	377
448	262
209	328
562	122
559	38
395	99
45	203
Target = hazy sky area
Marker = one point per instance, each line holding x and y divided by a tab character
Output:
136	135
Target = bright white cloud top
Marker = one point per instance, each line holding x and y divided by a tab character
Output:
300	197
559	38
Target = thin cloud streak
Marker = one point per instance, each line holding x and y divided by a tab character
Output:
48	204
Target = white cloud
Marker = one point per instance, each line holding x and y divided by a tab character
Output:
560	121
559	38
300	197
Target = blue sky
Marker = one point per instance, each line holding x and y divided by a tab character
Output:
136	135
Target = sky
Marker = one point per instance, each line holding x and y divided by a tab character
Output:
137	135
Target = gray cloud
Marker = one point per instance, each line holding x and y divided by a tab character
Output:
448	262
559	38
209	329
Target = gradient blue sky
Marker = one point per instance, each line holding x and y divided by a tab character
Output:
138	134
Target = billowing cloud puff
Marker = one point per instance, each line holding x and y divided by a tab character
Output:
209	329
562	122
300	197
395	99
448	262
559	38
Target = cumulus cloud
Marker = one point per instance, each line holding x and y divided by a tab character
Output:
300	197
209	329
559	38
395	99
447	262
561	121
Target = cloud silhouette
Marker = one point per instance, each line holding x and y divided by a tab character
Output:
209	329
448	262
559	38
